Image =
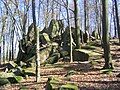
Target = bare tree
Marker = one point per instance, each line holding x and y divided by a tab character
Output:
105	37
36	37
114	20
77	27
69	28
117	19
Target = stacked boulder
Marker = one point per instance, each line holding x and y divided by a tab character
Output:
49	44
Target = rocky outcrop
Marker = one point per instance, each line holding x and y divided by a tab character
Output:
48	43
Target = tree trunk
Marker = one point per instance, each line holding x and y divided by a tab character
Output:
12	37
3	36
105	38
114	20
7	53
47	13
3	48
110	33
10	43
36	35
69	26
117	19
77	28
0	55
85	16
100	24
39	9
98	19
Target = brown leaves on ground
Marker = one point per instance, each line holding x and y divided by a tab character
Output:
86	76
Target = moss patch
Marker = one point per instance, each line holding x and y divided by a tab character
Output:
69	87
4	81
15	79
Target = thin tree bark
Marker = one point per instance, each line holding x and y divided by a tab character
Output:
114	20
53	12
69	27
12	37
47	13
117	19
0	56
3	34
98	19
110	33
100	24
36	35
10	41
39	9
85	16
3	48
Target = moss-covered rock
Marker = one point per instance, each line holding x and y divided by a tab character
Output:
11	65
44	53
69	73
19	72
88	47
55	84
52	84
4	81
27	49
11	77
96	43
8	66
64	53
55	48
85	55
30	34
7	78
30	56
23	88
106	71
53	58
69	87
86	37
15	79
44	38
80	55
6	75
29	73
66	39
53	29
95	35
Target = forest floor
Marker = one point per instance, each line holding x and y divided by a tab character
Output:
87	76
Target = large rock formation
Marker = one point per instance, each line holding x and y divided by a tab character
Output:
30	34
55	28
44	38
66	39
48	38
